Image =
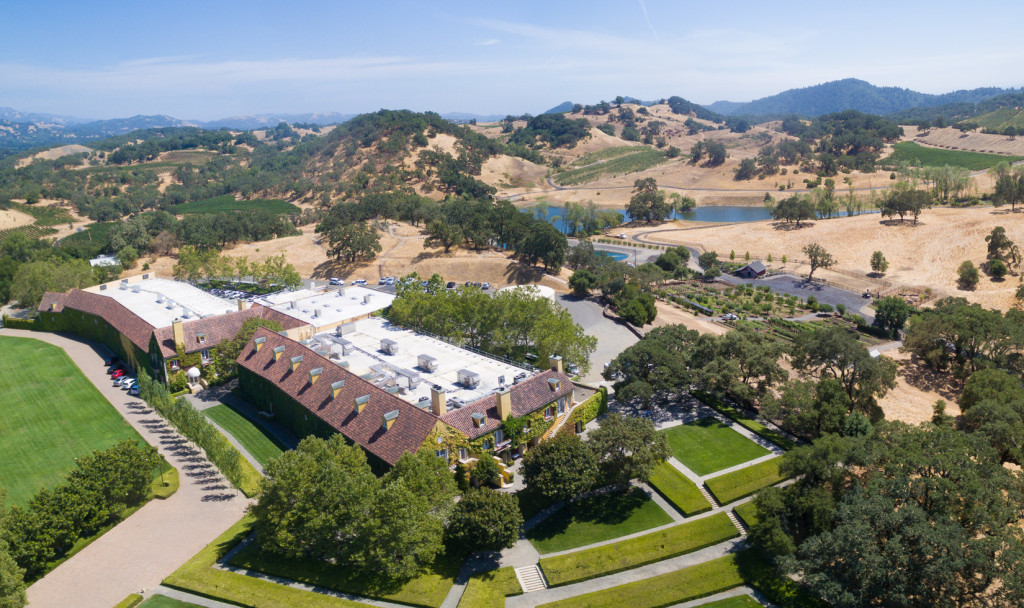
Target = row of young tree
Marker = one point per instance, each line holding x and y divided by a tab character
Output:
94	495
509	324
198	265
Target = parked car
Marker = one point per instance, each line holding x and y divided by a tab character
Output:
452	285
730	317
110	361
134	390
359	282
487	286
127	381
117	373
335	281
573	369
623	236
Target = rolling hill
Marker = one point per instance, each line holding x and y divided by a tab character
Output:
849	94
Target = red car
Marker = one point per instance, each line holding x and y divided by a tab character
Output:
117	374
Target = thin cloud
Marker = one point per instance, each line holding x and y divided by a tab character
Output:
488	42
647	18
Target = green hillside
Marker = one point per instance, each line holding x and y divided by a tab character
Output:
1002	118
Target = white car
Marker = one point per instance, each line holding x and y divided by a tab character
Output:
336	282
359	282
730	317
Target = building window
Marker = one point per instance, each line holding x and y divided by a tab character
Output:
549	413
463	453
174	365
487	444
442	454
205	354
561	405
499	436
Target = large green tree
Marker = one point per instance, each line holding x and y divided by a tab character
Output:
627	447
484	520
818	257
559	469
648	204
658	362
33	279
350	242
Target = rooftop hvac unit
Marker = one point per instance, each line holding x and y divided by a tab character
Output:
389	346
186	314
366	298
159	298
136	289
426	363
468	379
316	312
124	286
170	304
293	304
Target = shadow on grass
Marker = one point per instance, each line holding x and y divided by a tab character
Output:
757	572
605	509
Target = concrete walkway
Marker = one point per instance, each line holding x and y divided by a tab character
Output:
158	538
629	576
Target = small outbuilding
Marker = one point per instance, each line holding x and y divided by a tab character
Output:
752	270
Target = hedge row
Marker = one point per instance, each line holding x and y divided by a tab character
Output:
15	323
744	482
197	429
678	490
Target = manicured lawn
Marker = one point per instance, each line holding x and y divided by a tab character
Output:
740	601
162	601
678	490
748	513
50	414
261	445
635	552
744	482
707	445
753	425
597	518
702	580
489	589
199	576
428	589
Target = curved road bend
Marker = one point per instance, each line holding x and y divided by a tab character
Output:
158	538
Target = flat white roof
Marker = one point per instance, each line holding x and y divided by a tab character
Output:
399	371
329	307
160	301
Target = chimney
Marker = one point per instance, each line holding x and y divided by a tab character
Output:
336	388
438	401
259	343
241	305
556	363
361	403
504	404
314	374
389	419
179	334
278	351
295	362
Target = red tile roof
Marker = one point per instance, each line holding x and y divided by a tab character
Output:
218	328
131	325
408	432
528	396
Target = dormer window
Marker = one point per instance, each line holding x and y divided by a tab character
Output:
361	403
201	338
554	383
314	374
478	419
278	351
295	362
336	388
259	343
389	419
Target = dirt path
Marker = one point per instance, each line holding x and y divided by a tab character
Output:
158	538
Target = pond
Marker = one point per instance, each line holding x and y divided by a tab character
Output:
618	257
714	213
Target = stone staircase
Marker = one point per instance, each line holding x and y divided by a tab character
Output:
531	578
707	495
736	522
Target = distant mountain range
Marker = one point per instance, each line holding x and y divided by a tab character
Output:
849	94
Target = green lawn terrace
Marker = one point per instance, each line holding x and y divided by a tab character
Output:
706	446
597	518
50	415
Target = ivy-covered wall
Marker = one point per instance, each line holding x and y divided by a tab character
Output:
445	437
97	329
594	406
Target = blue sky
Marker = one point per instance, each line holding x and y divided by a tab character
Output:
212	59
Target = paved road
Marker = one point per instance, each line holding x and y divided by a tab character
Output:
612	337
158	538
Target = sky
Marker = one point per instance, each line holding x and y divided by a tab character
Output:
220	58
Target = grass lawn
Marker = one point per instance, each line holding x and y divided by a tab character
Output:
595	519
707	445
678	490
702	580
489	589
748	513
162	601
639	551
50	414
744	482
260	444
199	576
740	601
910	153
429	589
